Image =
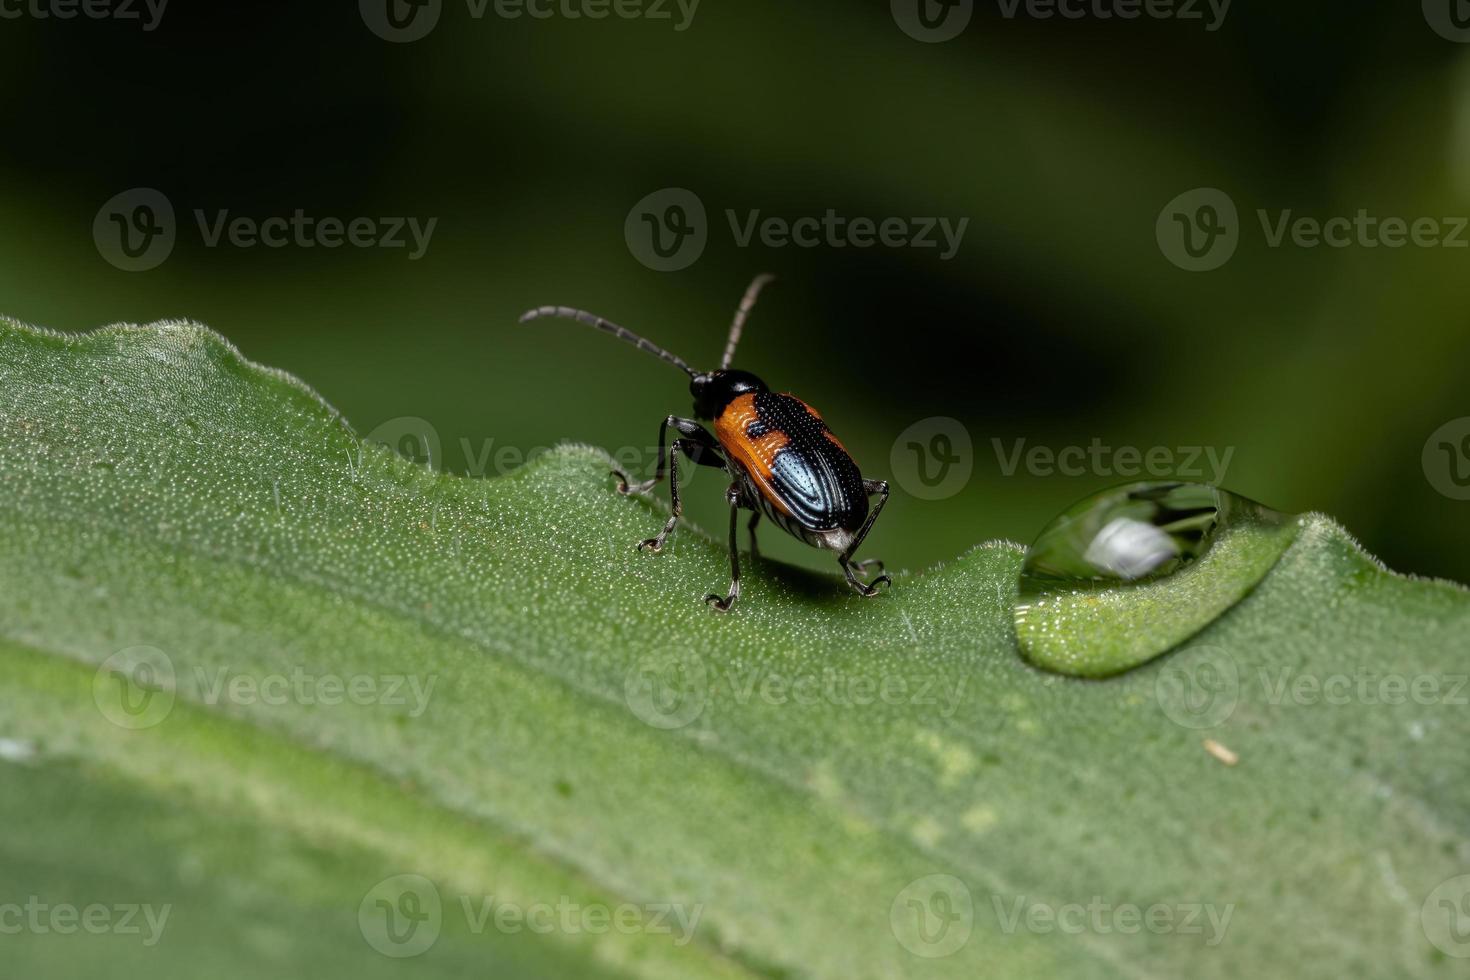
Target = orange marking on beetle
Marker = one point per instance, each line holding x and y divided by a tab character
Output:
755	455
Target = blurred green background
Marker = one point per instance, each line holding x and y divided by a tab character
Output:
1059	321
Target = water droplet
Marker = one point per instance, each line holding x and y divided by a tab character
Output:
16	750
1133	571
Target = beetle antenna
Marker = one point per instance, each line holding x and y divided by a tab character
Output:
752	292
622	333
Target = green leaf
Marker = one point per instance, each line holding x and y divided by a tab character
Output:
181	527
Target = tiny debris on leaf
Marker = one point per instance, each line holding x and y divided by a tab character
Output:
1220	752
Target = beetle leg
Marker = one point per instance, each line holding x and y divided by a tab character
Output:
880	488
686	427
697	453
723	603
755	518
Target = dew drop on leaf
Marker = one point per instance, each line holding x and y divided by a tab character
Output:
1131	572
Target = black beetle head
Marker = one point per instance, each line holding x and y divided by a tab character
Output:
716	389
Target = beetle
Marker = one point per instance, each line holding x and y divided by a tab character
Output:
783	461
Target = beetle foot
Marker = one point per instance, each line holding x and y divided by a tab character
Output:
865	589
626	487
722	603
